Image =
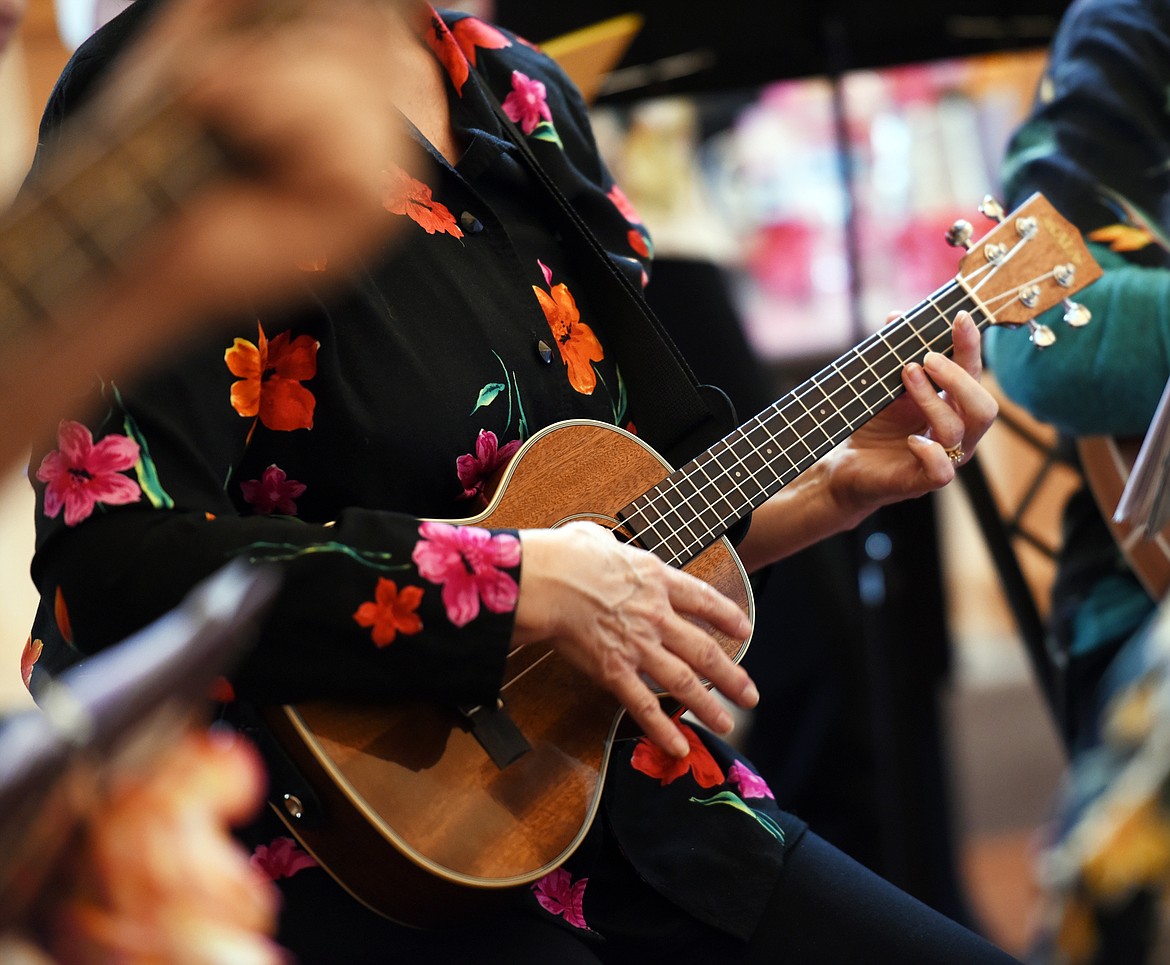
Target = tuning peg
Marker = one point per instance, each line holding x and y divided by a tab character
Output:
990	208
1040	335
959	234
1076	314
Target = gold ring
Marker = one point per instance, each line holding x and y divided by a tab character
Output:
955	453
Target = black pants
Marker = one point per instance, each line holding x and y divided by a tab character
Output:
826	910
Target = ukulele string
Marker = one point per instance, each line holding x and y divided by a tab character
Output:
702	489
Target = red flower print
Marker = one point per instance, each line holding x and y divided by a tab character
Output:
79	474
747	782
270	375
283	858
444	47
639	242
470	34
653	761
391	611
526	104
578	345
273	492
558	894
409	196
475	470
622	203
61	615
28	659
465	560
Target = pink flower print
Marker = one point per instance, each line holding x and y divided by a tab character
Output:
475	470
747	782
624	206
465	560
79	475
558	894
283	858
526	104
273	492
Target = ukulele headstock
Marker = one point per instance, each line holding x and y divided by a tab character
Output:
1032	260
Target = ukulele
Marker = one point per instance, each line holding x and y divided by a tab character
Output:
426	813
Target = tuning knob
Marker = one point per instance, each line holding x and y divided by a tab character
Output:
1076	314
990	208
959	234
1040	335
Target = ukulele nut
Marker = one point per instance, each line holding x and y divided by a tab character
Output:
292	805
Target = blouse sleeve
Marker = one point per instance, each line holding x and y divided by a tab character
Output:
1096	145
133	510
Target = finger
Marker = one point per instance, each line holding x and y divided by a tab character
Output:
944	422
968	345
678	678
693	597
708	661
936	468
973	404
644	706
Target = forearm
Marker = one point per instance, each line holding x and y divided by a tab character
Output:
336	629
801	514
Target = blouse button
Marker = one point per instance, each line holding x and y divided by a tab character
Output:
471	224
545	350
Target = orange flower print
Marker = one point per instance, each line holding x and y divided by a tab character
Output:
653	761
578	345
28	660
409	196
1121	237
390	612
270	376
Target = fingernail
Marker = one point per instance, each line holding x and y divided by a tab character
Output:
932	360
751	696
724	723
915	373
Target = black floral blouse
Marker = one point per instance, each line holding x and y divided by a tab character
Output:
323	438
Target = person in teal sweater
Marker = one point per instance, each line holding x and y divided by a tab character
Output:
1097	144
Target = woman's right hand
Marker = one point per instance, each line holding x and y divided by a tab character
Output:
621	615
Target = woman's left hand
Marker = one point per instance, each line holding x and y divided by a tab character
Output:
911	447
917	442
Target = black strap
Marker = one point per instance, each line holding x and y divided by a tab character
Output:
670	411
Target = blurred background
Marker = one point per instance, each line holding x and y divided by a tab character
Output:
797	165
